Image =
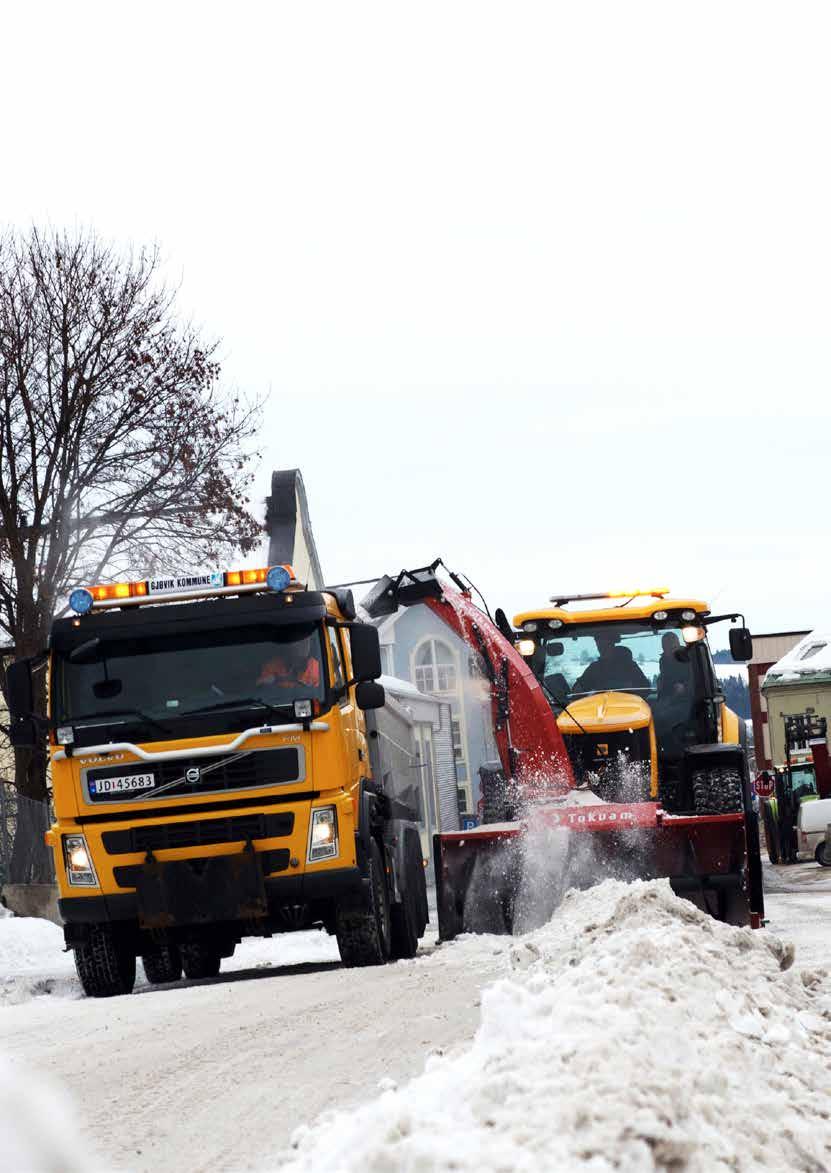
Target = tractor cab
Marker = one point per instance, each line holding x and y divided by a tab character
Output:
633	686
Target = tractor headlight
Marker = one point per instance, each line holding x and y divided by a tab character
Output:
526	647
692	635
323	835
79	867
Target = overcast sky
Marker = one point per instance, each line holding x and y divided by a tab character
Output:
541	288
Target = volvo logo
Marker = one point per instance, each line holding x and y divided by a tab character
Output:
193	774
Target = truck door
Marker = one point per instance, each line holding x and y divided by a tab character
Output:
353	734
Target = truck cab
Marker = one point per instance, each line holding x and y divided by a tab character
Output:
211	771
637	697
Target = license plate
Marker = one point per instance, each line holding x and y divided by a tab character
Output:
123	783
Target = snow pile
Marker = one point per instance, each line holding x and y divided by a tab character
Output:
635	1034
37	1129
32	961
810	657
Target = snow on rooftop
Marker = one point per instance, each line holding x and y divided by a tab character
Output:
810	657
634	1033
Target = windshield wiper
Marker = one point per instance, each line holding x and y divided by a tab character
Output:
121	713
239	703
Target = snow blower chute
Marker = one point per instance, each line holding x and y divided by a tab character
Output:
598	777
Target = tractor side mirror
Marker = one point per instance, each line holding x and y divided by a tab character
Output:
370	695
366	651
19	690
741	643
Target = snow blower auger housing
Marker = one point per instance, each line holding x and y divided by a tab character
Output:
617	757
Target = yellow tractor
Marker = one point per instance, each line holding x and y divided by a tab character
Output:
637	697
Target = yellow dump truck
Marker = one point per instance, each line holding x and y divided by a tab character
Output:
215	775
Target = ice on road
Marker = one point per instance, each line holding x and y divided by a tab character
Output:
631	1033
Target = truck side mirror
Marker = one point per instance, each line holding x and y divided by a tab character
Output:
24	733
741	643
19	690
366	651
370	695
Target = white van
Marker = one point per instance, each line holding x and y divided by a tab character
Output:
813	819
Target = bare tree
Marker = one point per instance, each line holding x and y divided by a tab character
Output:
119	450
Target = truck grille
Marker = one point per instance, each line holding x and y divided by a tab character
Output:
199	833
198	775
128	875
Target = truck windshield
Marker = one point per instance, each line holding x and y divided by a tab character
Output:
212	681
627	657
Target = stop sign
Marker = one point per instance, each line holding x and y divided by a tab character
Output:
763	785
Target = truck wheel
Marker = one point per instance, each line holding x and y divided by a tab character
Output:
822	855
405	916
163	966
106	965
363	930
717	791
199	960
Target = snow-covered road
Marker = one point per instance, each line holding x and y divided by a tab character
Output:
218	1075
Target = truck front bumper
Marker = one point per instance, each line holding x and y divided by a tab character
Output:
168	903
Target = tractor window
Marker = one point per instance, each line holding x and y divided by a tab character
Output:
649	661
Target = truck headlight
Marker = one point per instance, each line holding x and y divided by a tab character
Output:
323	835
79	867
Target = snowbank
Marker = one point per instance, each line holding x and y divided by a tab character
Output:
38	1133
32	961
634	1034
810	657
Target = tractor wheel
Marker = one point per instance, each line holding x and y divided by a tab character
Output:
199	960
364	930
163	966
106	965
771	835
822	855
717	791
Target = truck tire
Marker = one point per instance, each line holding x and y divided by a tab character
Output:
163	966
199	960
405	917
106	965
364	930
771	835
822	855
717	791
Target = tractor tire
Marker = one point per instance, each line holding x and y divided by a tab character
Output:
106	965
822	855
364	930
407	922
163	966
717	791
771	835
199	960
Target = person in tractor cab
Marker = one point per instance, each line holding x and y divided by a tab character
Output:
673	671
614	669
293	666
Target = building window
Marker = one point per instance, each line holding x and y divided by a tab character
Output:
435	667
461	799
458	749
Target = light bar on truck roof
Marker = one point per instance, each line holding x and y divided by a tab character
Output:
182	586
654	593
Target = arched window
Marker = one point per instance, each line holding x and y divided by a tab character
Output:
435	667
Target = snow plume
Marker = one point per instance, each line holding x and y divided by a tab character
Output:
634	1034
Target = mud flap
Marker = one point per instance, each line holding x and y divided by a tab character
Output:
201	891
